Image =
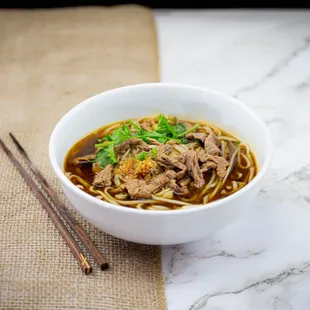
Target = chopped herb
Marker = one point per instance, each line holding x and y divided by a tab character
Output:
106	156
126	129
142	156
135	125
154	152
163	132
189	130
183	140
108	137
107	143
180	128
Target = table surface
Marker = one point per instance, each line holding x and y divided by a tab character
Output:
262	58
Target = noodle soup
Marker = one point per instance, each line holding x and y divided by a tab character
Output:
160	163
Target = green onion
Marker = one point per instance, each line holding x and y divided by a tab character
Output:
142	156
154	152
135	125
103	144
189	130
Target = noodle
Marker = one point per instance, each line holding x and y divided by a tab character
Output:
247	148
248	161
216	130
108	129
239	175
223	148
205	199
231	164
212	182
226	138
191	199
125	155
172	201
117	181
121	196
185	181
236	186
138	179
116	190
158	207
135	202
179	148
79	179
165	193
216	189
191	146
126	202
106	197
251	174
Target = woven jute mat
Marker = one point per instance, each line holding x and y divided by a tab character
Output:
50	60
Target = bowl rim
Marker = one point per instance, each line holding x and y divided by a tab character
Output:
194	208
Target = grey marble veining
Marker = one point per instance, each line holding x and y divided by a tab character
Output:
261	261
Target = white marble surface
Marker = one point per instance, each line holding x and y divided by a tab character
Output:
262	261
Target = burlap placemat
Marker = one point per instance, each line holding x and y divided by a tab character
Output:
50	61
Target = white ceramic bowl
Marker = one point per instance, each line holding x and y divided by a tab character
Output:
188	102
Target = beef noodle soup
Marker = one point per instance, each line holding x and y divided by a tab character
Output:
160	163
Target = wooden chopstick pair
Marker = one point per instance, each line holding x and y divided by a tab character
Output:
63	210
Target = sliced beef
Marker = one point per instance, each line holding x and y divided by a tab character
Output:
212	136
136	145
104	177
96	167
211	143
218	163
153	141
196	135
172	162
87	159
187	124
192	165
165	149
185	181
177	189
172	142
232	161
207	166
231	149
202	156
211	148
163	179
146	126
140	189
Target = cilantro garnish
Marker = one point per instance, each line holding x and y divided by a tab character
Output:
164	132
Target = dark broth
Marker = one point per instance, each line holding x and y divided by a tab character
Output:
86	146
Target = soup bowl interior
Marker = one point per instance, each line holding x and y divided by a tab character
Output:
186	102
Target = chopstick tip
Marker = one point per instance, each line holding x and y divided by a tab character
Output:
104	266
88	270
17	144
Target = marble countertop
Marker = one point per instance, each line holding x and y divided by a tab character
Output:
262	261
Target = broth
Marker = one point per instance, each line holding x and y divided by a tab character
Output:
197	166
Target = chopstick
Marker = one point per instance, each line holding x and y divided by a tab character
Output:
74	247
64	211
